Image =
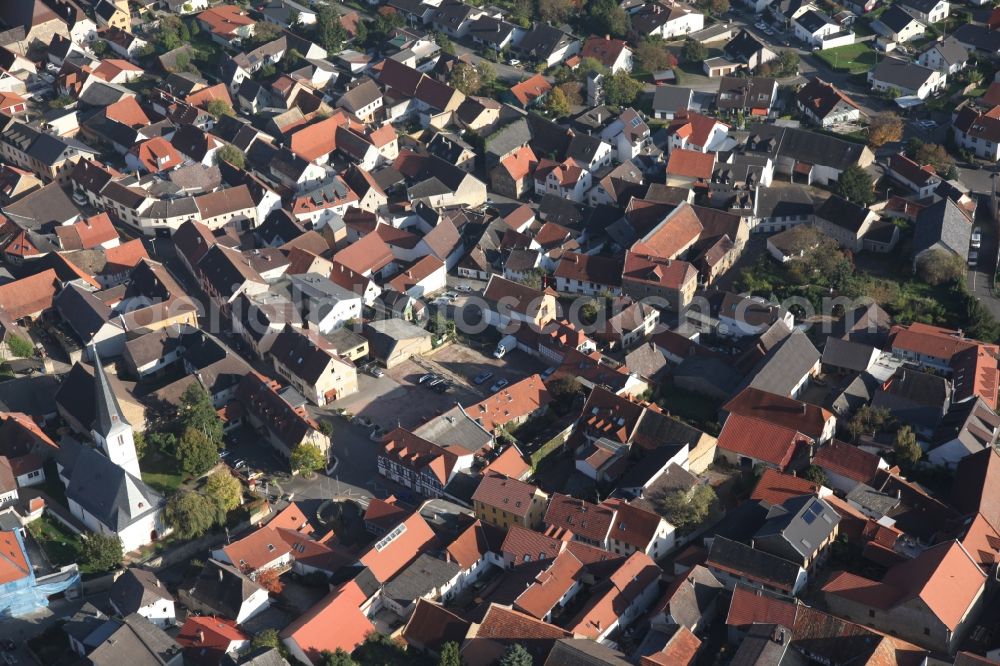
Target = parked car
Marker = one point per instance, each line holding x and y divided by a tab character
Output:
498	385
973	258
426	378
482	378
977	237
464	287
442	387
376	371
434	382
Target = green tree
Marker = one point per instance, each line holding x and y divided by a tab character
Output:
718	7
933	154
786	64
939	266
487	74
381	650
652	56
557	104
195	452
686	512
855	184
219	108
867	421
977	321
445	43
308	458
268	638
555	11
361	32
906	448
224	489
693	51
191	514
231	154
164	442
102	552
885	127
606	17
100	48
329	32
450	655
265	31
338	658
465	78
621	89
816	475
516	655
198	412
590	66
293	18
19	347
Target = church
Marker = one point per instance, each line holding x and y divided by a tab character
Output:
104	488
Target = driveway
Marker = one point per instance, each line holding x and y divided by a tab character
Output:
981	277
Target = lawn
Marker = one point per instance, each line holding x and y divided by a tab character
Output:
160	473
853	58
61	546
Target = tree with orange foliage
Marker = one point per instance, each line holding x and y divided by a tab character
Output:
270	580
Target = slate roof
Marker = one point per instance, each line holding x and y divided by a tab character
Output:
945	224
137	588
742	560
901	73
107	491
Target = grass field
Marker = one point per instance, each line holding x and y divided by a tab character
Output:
853	58
61	546
160	473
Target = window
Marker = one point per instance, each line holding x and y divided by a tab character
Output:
871	612
927	631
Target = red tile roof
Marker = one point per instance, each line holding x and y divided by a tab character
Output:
529	90
128	112
340	609
662	272
760	440
775	487
680	650
584	519
550	586
431	626
419	455
365	256
520	163
13	560
517	401
691	164
390	554
203	96
694	127
633	525
603	49
945	578
752	606
509	463
124	257
513	496
225	20
806	418
637	573
87	234
677	232
30	295
206	639
521	542
316	140
847	460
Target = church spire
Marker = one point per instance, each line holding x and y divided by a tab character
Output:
109	413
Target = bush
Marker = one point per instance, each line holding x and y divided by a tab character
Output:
937	267
19	347
102	552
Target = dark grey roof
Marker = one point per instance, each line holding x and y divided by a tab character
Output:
753	563
846	354
972	422
455	428
943	225
851	396
584	652
137	588
263	656
978	37
742	47
360	96
804	146
812	20
299	353
802	523
872	500
922	6
902	74
137	642
43	209
785	365
915	398
85	313
107	491
718	373
783	202
691	603
541	41
895	18
951	50
508	138
583	148
843	213
760	646
221	588
422	577
102	93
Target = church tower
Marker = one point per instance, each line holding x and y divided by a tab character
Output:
111	431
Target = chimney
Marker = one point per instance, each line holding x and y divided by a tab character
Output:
201	636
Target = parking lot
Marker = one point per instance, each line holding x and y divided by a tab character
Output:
461	364
395	399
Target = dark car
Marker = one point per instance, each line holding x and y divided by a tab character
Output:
430	376
442	387
482	378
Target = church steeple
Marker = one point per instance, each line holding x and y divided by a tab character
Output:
111	431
